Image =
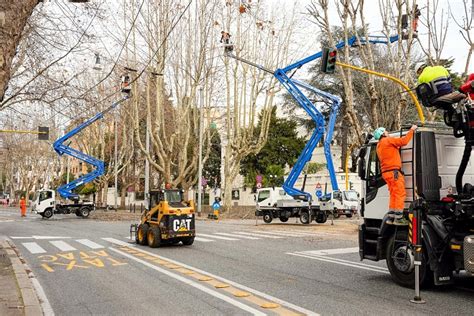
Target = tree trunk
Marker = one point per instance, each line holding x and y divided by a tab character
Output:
13	17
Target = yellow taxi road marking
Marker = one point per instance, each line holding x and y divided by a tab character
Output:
73	261
204	279
221	286
240	294
192	283
200	273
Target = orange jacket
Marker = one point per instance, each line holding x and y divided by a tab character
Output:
388	151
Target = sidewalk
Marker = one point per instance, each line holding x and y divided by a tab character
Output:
17	294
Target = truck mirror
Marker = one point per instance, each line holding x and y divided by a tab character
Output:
361	168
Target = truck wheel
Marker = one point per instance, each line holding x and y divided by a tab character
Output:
154	237
78	213
267	217
400	263
304	217
48	213
349	215
283	219
321	218
84	211
142	232
336	214
187	241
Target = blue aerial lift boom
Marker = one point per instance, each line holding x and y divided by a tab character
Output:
66	190
293	86
45	203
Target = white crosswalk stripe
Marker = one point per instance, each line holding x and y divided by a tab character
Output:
33	247
203	239
272	233
61	245
297	232
89	243
230	235
217	237
258	235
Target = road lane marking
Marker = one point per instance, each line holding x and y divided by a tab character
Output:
218	278
193	284
89	243
202	239
337	251
258	235
301	233
33	247
231	235
63	246
271	233
39	237
343	262
218	237
348	261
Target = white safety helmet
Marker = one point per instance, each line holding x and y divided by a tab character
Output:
419	67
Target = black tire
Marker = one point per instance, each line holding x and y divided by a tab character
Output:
405	278
304	217
267	217
84	211
188	241
349	215
78	213
142	232
48	213
283	219
154	237
321	218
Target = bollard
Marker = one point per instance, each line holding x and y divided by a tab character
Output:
417	245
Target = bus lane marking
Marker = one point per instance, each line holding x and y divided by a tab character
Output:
76	261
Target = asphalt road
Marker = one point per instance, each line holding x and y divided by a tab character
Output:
88	267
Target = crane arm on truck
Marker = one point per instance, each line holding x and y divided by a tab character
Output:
66	190
293	85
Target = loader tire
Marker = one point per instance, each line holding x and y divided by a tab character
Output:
142	232
85	211
154	237
188	241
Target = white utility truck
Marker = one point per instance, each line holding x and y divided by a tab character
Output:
274	202
342	203
45	204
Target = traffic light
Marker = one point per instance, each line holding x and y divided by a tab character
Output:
328	60
43	133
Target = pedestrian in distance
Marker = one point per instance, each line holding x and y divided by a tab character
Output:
23	206
388	152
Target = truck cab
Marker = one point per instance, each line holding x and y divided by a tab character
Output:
430	163
44	203
343	202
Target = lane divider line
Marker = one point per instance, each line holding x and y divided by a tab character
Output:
192	283
329	259
257	295
348	261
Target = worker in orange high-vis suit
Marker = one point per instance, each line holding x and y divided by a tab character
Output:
23	206
388	152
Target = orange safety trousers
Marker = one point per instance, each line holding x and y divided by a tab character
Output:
396	187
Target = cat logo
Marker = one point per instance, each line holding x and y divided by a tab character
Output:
181	224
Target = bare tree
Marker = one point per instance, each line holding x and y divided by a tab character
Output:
466	26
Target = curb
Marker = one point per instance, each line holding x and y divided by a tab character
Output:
24	276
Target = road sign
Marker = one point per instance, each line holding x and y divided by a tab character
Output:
259	178
216	206
318	186
259	185
319	193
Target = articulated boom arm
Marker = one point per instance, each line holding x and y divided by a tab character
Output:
292	86
66	191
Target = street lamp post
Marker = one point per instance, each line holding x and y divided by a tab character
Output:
115	166
201	123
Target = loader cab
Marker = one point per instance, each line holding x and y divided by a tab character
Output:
173	197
